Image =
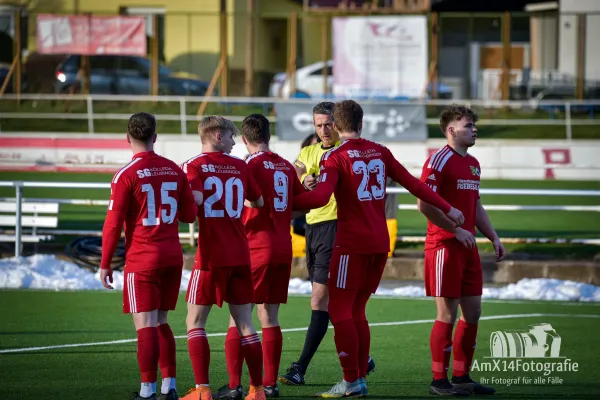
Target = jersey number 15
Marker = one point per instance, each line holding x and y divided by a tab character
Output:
166	216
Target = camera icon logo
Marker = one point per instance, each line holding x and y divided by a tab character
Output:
541	341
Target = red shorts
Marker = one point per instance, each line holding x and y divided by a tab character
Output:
356	271
230	284
271	282
451	270
153	289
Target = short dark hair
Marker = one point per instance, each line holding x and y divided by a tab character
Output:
142	126
324	108
456	112
256	129
347	115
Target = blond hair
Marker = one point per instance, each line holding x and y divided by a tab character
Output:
212	124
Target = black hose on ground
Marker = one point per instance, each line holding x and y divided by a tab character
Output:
87	253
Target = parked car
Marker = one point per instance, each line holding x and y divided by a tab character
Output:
309	82
4	68
563	94
126	75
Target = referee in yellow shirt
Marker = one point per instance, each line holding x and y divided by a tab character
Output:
320	237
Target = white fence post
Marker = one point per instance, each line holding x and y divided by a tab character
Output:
182	115
18	226
90	113
568	121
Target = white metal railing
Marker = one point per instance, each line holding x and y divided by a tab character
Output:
90	115
19	185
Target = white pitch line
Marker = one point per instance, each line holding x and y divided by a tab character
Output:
395	323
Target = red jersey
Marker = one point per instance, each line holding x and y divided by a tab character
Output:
356	173
456	179
149	195
225	182
268	227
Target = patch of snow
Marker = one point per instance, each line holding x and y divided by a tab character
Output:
46	272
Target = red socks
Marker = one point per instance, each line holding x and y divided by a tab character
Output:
346	343
168	356
272	346
440	344
271	355
199	354
252	351
364	346
233	357
464	347
147	353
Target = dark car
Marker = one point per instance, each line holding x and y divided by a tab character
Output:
4	68
564	94
125	75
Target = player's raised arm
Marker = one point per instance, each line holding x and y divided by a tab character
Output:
297	189
420	190
319	196
118	206
188	209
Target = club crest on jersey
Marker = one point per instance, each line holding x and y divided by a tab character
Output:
474	171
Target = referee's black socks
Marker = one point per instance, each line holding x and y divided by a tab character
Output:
317	329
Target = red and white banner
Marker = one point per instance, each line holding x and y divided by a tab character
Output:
91	35
516	159
380	56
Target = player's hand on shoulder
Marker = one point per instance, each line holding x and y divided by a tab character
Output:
310	182
457	216
499	248
465	238
198	197
106	276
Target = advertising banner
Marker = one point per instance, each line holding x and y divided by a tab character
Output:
380	56
381	122
91	35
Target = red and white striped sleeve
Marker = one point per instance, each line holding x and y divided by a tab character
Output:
432	173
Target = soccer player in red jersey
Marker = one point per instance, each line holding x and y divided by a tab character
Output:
222	266
149	195
453	273
356	173
268	232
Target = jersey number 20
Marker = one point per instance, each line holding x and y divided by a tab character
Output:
166	216
216	184
375	166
